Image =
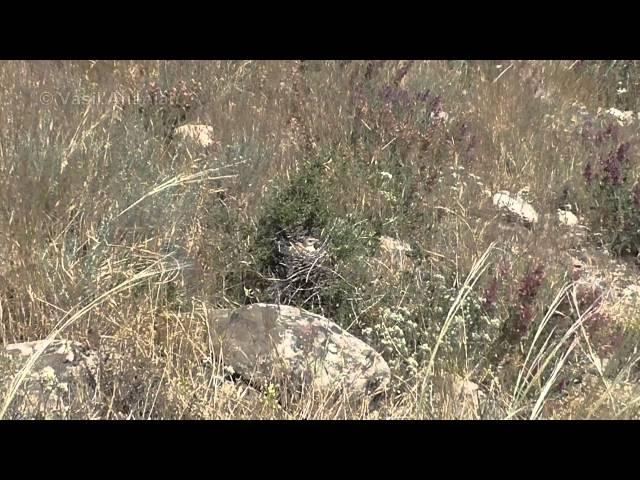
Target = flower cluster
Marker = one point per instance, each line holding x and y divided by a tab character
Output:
528	290
396	333
614	163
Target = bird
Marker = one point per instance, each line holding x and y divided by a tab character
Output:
306	247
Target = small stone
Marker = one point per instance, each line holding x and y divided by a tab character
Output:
623	118
567	218
515	207
201	135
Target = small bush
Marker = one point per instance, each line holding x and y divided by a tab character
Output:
298	210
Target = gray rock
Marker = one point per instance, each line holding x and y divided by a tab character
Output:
264	343
515	207
65	372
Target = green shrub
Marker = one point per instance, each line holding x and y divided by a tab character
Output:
302	208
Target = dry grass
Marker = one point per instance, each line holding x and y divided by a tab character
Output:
109	230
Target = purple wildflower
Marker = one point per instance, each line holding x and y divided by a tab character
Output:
531	284
612	168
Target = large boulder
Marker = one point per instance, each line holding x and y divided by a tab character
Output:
64	373
267	344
